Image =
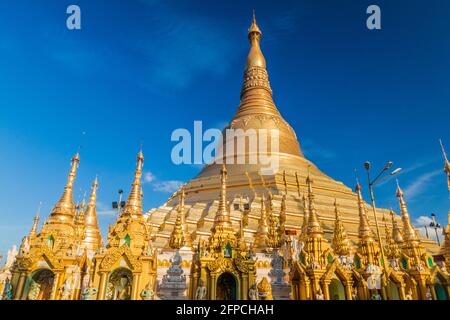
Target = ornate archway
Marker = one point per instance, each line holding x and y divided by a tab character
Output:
394	293
226	287
119	285
336	289
40	285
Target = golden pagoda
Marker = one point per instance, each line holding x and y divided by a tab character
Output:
128	264
229	233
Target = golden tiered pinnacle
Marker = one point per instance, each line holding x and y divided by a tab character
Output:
93	237
180	237
397	233
33	231
64	209
262	234
341	243
304	230
255	57
223	215
365	233
314	228
391	248
133	205
409	234
446	166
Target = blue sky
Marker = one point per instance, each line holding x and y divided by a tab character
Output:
137	70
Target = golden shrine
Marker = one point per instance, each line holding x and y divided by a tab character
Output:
236	233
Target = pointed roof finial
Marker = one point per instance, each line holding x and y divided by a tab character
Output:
255	57
446	165
133	206
223	215
64	209
365	233
33	231
314	228
93	237
341	243
409	233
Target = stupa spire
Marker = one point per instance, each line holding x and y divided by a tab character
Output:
396	230
133	205
446	165
33	231
64	209
341	243
314	228
223	215
263	226
365	233
93	236
409	234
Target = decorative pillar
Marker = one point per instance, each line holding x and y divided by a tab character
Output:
212	290
20	286
244	294
54	293
102	286
135	286
326	290
401	292
348	291
433	292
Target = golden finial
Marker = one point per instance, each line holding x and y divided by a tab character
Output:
64	209
396	230
223	215
33	231
341	243
133	205
255	57
365	233
391	247
263	227
93	237
409	234
304	230
91	219
446	165
314	228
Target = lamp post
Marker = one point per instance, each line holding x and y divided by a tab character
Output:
372	198
119	204
435	226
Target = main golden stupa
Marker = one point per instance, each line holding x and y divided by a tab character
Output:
231	228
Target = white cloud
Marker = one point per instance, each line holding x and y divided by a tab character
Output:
149	177
423	221
167	186
105	210
420	184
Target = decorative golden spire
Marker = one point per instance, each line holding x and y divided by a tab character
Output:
255	57
446	165
304	230
273	236
64	209
263	227
283	215
182	217
223	215
409	234
93	236
396	230
264	289
341	243
391	247
314	228
33	231
177	239
133	206
365	233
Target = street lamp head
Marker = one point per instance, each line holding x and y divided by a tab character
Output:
388	165
120	191
367	165
395	171
433	215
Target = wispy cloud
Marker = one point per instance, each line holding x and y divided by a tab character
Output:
167	186
149	177
420	183
157	185
105	210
